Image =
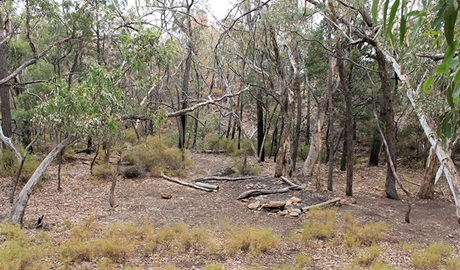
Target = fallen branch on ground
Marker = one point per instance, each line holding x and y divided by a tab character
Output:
329	202
223	178
257	192
185	183
289	182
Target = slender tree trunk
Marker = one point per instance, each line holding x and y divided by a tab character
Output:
343	160
260	126
375	149
4	88
330	143
295	143
315	138
349	115
390	130
19	207
283	156
426	190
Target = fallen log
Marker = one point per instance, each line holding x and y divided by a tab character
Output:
206	185
185	183
223	178
329	202
257	192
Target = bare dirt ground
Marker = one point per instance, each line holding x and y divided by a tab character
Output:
139	200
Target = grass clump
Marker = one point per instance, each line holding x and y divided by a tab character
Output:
320	224
214	267
302	261
251	240
152	155
357	235
368	257
10	166
432	256
20	251
179	238
103	172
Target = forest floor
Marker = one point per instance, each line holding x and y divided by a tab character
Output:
139	201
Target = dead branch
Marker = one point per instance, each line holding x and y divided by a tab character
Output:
257	192
209	101
326	203
222	178
289	182
185	183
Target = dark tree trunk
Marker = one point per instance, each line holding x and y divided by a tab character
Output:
349	122
375	149
4	89
260	126
330	144
390	130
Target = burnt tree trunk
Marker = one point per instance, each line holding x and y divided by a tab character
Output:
260	126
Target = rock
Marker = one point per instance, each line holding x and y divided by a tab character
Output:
293	200
274	204
254	205
295	210
283	213
294	214
165	196
222	171
351	200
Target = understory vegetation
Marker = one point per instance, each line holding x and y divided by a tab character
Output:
126	245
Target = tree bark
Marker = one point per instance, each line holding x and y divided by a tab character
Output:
260	126
390	130
295	142
316	134
349	115
4	88
426	190
19	207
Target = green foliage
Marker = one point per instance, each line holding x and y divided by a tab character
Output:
153	156
103	171
368	257
10	165
19	251
179	238
431	257
251	240
132	171
302	261
320	224
357	235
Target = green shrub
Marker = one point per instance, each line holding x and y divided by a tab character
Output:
132	171
357	235
302	152
431	257
10	165
368	256
19	251
251	240
153	156
302	261
130	136
179	238
103	171
320	224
